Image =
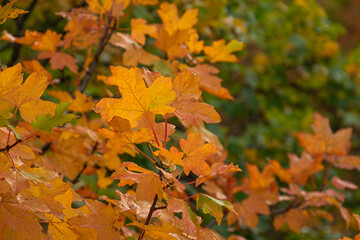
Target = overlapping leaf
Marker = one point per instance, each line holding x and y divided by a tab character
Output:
136	99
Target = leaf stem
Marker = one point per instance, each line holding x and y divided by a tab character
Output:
153	161
153	130
326	177
12	121
165	131
12	160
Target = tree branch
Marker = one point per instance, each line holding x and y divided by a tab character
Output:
148	218
293	204
104	40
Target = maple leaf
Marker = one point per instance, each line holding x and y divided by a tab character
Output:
135	55
136	99
20	223
347	162
196	154
298	218
149	183
29	39
260	180
59	59
170	18
248	209
122	135
304	167
217	169
83	29
69	154
172	155
193	44
81	103
47	122
103	218
8	11
103	181
139	29
60	229
209	82
43	195
10	79
47	41
173	45
188	218
160	232
213	206
26	97
323	141
186	86
219	52
35	66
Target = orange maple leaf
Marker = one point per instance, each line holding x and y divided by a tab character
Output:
149	183
196	154
186	86
323	141
139	29
59	59
122	135
136	99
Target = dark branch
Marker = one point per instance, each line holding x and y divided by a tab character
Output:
104	40
148	218
8	147
45	148
293	204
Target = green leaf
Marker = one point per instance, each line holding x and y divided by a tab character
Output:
47	122
235	45
212	206
5	122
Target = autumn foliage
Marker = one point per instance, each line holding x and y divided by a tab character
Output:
125	153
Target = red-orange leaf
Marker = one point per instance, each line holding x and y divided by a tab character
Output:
149	183
196	154
323	141
103	218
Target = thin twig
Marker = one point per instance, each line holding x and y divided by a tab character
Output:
99	50
148	218
326	176
66	80
76	179
294	204
8	147
45	148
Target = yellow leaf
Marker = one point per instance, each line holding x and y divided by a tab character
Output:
136	99
219	52
170	18
139	29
